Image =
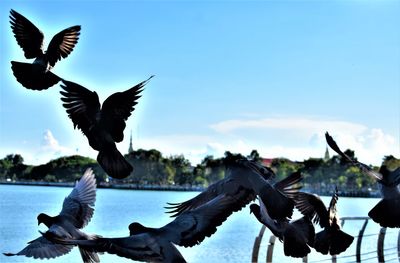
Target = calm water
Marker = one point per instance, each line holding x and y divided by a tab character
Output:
116	209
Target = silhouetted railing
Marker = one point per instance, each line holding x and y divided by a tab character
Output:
381	254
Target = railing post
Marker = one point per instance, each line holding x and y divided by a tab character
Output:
359	240
270	248
381	239
256	247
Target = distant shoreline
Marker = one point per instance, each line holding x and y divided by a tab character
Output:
180	188
114	186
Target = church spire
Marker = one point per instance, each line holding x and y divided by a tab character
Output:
130	150
326	157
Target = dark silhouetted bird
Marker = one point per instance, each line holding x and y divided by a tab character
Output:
387	211
102	127
331	239
76	213
37	76
244	180
297	235
157	244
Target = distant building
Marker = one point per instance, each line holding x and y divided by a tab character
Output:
326	157
266	161
130	150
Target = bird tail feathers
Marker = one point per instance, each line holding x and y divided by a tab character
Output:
26	75
114	164
332	241
386	213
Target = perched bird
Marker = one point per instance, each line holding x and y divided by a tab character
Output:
102	127
157	244
76	213
37	76
331	239
387	211
244	180
297	236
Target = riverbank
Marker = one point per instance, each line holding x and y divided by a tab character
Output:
112	186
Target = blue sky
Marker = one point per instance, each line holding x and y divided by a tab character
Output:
230	75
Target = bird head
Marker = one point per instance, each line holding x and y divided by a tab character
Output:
137	228
45	219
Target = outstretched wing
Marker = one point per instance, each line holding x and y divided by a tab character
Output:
43	248
311	205
191	227
79	203
118	107
228	186
332	210
62	44
82	105
363	167
28	36
290	185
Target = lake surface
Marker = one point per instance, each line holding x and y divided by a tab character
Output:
116	209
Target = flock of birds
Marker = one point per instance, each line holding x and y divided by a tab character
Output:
195	219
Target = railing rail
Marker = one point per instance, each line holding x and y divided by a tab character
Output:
380	252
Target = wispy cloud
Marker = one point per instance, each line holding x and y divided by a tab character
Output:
50	148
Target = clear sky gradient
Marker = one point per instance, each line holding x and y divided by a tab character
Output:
229	75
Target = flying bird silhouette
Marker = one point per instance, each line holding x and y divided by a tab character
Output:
386	212
76	213
158	244
244	180
298	235
102	127
37	76
331	239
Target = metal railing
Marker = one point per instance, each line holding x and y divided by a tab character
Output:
379	252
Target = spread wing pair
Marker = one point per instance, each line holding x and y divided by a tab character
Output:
331	239
76	213
103	126
386	212
37	76
244	180
157	244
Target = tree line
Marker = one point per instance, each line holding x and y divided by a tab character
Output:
151	168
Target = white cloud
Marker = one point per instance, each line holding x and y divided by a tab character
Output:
300	138
50	148
290	137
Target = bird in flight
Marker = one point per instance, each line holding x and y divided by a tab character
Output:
244	180
76	213
297	235
158	244
386	212
37	75
331	239
103	126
